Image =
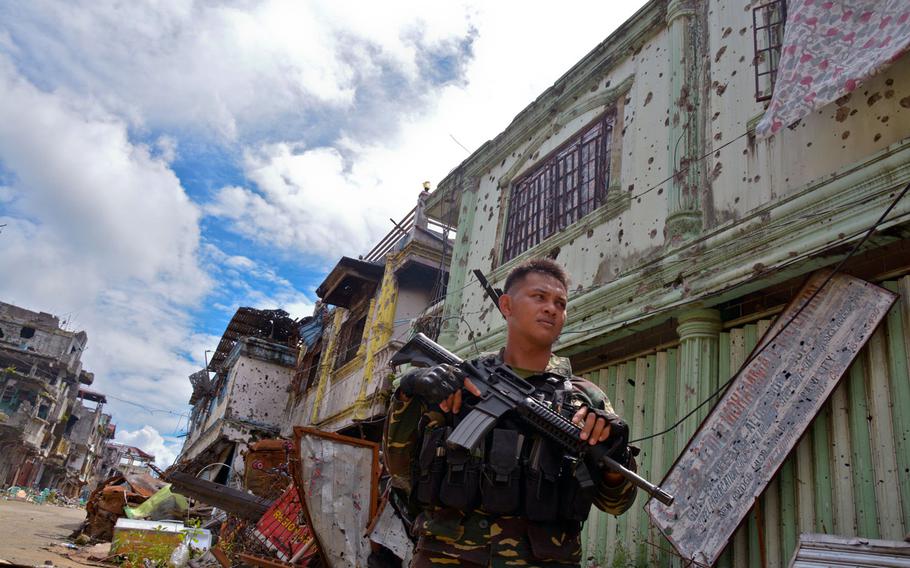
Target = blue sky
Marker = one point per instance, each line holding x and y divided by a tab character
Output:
163	163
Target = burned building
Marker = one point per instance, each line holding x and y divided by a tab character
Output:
238	398
377	302
40	378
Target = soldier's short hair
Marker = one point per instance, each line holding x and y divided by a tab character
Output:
541	265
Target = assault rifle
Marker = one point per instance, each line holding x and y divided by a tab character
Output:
501	390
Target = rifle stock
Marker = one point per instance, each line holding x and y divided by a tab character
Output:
502	390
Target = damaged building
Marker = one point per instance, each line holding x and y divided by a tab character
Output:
238	398
369	307
688	219
48	437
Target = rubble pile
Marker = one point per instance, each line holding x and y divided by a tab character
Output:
106	504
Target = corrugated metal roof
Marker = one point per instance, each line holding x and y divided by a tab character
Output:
822	551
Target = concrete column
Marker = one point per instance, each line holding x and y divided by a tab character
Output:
684	216
458	267
699	334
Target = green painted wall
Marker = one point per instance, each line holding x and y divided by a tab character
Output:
849	475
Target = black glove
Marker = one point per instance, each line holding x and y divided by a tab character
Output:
432	384
618	442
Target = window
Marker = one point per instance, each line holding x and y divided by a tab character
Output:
27	332
768	36
563	188
349	339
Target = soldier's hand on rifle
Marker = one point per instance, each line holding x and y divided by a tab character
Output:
601	426
442	385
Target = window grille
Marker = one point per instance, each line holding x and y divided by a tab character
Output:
768	34
563	188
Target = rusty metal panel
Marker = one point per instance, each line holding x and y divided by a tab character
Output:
338	478
738	449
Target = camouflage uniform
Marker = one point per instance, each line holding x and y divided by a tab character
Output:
449	537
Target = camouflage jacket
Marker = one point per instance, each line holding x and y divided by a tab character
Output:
473	535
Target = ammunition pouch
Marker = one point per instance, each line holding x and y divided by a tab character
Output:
431	464
500	487
542	482
460	489
575	503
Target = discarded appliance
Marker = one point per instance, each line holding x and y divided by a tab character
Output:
137	539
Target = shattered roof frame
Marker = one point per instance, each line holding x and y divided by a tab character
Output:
274	325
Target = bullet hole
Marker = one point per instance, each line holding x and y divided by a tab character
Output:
742	31
631	382
842	114
845	135
650	160
590	233
619	235
659	75
808	144
733	74
653	233
667	122
632	187
877	137
873	99
889	93
648	98
727	33
889	82
660	191
885	119
905	102
720	53
844	99
854	111
718	136
607	84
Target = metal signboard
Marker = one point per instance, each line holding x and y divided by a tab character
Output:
280	527
773	399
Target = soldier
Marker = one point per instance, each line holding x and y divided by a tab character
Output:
515	500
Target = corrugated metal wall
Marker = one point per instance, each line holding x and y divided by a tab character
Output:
849	475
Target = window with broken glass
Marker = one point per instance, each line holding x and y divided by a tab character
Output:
564	187
349	338
768	35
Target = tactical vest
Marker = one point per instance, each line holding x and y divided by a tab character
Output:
515	471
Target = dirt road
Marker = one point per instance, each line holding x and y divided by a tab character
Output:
26	529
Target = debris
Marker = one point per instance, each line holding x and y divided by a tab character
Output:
106	503
233	501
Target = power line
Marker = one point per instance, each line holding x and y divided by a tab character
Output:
764	345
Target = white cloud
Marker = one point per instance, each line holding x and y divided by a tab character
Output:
100	231
336	199
226	67
149	440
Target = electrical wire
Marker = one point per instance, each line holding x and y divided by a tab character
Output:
784	326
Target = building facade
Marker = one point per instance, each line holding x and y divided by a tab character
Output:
239	398
685	234
40	380
343	376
